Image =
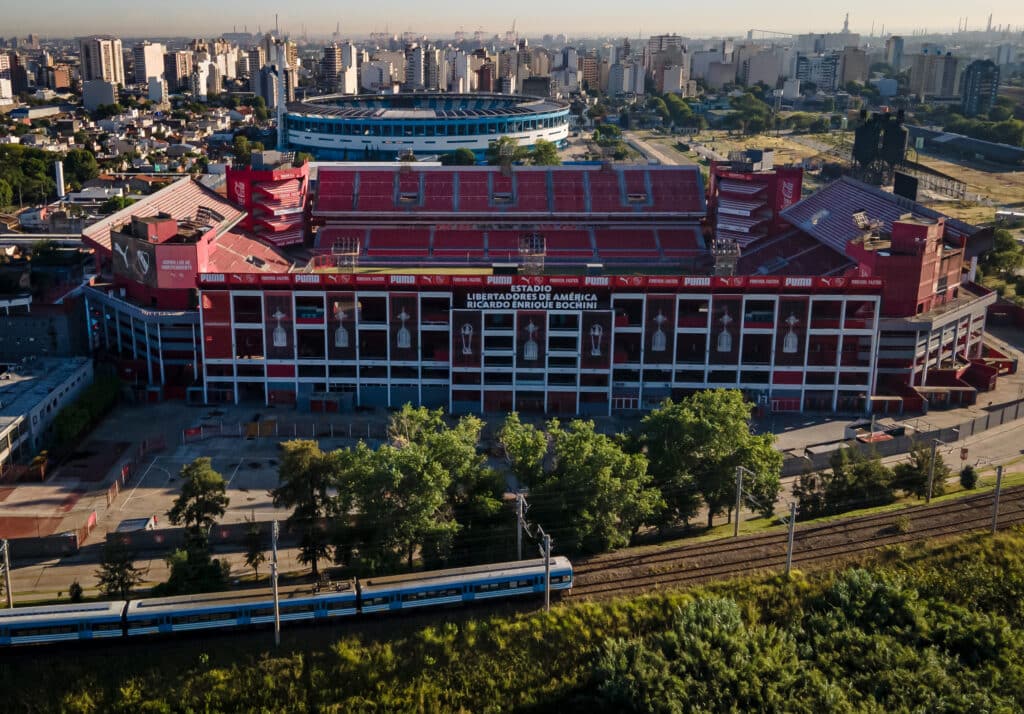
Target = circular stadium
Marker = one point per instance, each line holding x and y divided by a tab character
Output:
381	127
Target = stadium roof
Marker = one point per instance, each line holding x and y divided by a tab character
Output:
181	200
827	215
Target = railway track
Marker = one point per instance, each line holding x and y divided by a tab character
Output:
814	545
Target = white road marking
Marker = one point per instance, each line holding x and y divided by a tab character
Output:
233	474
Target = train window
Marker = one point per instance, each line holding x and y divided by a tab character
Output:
39	631
293	609
204	617
152	622
106	626
371	602
261	612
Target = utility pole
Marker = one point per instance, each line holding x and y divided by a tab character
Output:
931	472
995	511
7	574
792	530
519	526
547	573
739	497
273	583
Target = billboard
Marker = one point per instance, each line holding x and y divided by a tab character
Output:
134	259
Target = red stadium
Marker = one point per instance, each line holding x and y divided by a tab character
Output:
577	290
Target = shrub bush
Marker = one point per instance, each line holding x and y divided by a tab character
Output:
968	477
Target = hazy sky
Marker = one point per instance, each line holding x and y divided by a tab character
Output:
67	18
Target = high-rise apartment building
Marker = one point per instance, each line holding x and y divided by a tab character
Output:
979	88
853	66
414	67
934	75
102	59
177	70
894	52
149	61
819	70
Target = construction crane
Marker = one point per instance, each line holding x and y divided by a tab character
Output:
764	33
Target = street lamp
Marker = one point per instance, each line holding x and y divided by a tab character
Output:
931	470
739	496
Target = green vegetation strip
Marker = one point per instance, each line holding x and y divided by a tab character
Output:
937	628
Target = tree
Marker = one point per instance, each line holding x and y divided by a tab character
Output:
505	149
75	591
117	574
474	491
545	153
857	480
6	193
402	505
460	157
708	436
968	477
596	496
255	555
307	478
80	165
241	149
525	447
105	111
668	466
202	501
912	476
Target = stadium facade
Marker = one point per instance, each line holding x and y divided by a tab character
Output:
551	344
381	127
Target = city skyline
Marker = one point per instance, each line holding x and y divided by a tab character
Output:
531	18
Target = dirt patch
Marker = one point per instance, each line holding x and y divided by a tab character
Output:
28	526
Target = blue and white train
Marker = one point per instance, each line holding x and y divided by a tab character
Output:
251	608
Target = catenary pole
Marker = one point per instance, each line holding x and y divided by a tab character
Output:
7	574
547	572
789	544
995	502
519	526
931	471
273	580
739	500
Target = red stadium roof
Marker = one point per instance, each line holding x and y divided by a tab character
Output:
180	200
560	191
827	216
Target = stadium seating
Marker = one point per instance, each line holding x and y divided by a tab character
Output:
531	191
336	191
674	191
605	191
399	243
569	244
679	242
474	192
439	192
569	194
458	244
636	187
502	245
376	191
616	243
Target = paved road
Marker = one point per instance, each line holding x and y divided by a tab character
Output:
668	157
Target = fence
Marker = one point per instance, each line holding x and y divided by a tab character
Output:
285	430
994	416
223	536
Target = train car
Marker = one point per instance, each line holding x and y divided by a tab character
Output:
61	623
440	587
238	609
